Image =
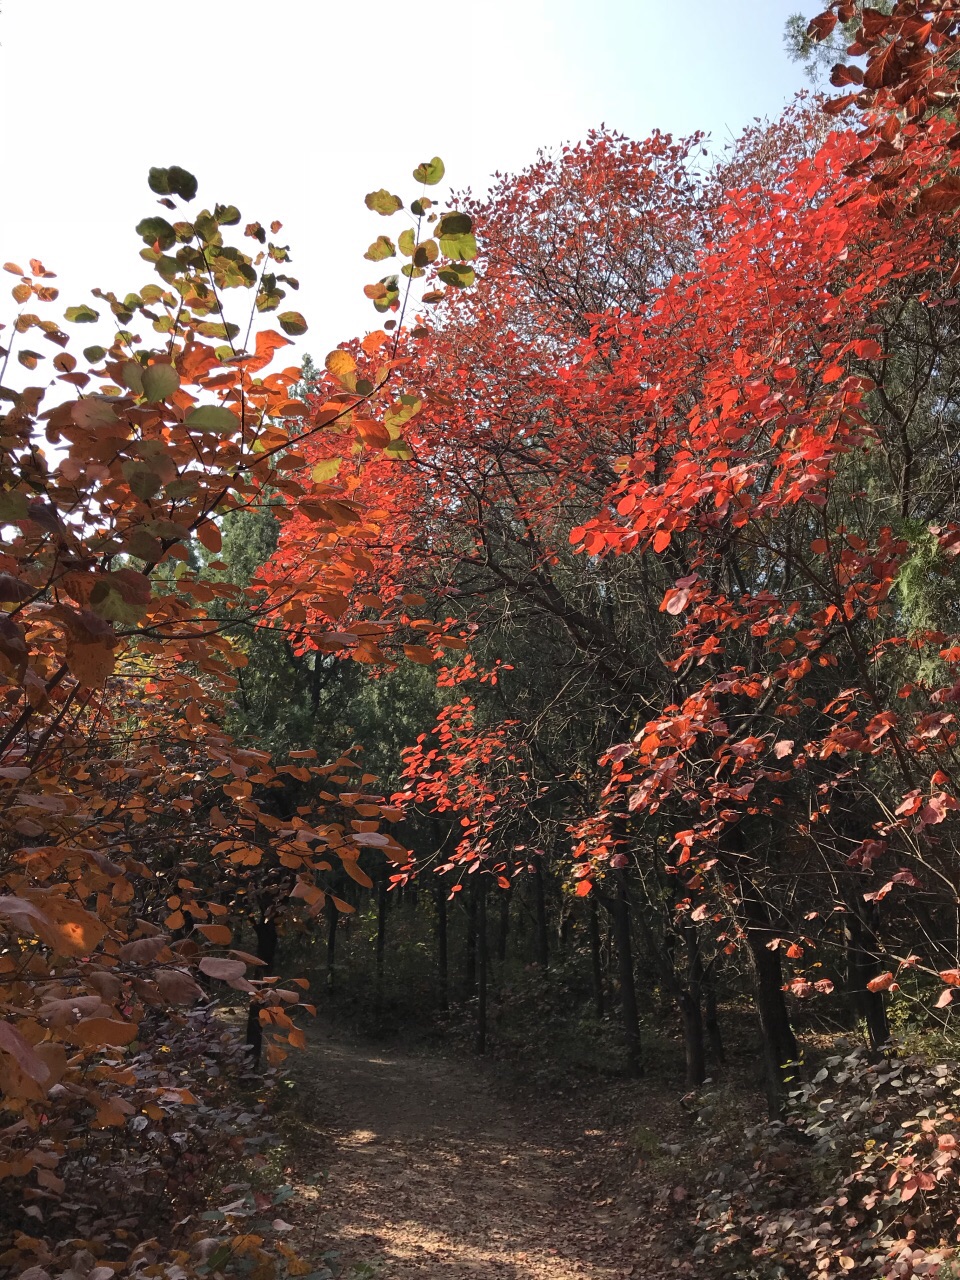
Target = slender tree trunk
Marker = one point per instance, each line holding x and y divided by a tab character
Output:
596	958
566	929
470	959
690	1000
694	1048
333	918
482	956
620	908
443	968
540	906
381	942
267	938
779	1043
503	931
863	963
710	1019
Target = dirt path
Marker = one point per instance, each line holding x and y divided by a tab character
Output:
420	1166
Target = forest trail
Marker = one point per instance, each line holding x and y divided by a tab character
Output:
418	1166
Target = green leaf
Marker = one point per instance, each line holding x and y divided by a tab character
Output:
397	449
212	417
401	411
382	247
81	315
420	207
412	272
93	355
142	479
406	243
430	172
228	215
132	375
292	322
383	202
460	276
157	230
463	247
13	506
323	471
454	224
173	181
160	381
388	301
210	329
208	229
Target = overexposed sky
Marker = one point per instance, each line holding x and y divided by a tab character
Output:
293	109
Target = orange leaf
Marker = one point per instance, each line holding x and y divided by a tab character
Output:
208	534
356	872
218	933
100	1031
418	653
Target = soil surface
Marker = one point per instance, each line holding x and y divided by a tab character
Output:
426	1167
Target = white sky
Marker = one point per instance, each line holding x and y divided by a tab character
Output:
295	110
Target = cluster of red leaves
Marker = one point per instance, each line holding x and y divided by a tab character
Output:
700	401
478	776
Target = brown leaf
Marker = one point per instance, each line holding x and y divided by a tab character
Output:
104	1031
12	1042
177	986
143	950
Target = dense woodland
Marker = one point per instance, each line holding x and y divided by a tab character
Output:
568	668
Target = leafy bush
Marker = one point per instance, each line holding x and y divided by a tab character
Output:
129	1196
859	1180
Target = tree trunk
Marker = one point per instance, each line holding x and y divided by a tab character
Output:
470	959
863	963
381	942
566	929
620	908
482	950
540	906
333	917
690	998
779	1043
596	958
694	1050
503	931
440	898
267	938
710	1020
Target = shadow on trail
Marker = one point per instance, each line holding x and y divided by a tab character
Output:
428	1171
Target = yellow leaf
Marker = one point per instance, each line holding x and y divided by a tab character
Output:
340	364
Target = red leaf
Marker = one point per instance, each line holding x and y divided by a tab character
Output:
882	982
821	26
942	197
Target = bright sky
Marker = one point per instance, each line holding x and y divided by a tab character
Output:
294	110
